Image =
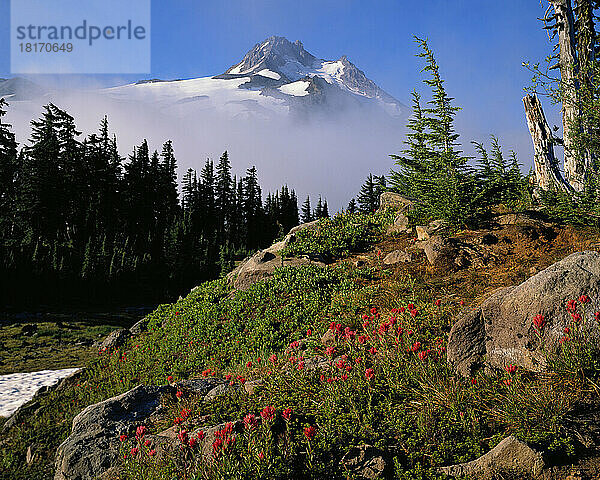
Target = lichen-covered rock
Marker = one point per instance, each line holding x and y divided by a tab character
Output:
501	332
398	256
510	456
93	445
364	462
115	339
395	201
440	251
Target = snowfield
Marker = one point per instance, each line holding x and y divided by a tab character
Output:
18	388
297	89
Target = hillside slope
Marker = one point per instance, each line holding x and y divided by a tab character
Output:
325	371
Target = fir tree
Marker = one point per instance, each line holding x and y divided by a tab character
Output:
306	211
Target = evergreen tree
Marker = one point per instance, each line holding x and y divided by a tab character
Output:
351	207
325	212
318	212
368	197
8	173
223	192
306	212
432	169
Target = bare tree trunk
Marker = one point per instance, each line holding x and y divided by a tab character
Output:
565	26
547	173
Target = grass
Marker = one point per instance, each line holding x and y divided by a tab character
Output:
55	340
388	383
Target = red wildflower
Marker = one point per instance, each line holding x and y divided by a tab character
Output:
539	322
268	413
394	311
250	422
179	394
147	443
192	442
183	436
273	358
330	351
261	455
300	365
507	381
597	315
344	377
584	299
310	432
217	444
567	330
576	317
571	305
511	369
473	381
170	379
414	313
362	339
122	438
200	435
462	302
423	355
411	306
438	302
402	309
416	347
151	453
309	332
287	414
249	364
140	431
373	311
372	350
134	451
369	373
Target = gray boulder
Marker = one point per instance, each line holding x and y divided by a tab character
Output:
400	224
93	445
501	331
115	339
510	456
395	201
440	251
398	256
364	462
262	266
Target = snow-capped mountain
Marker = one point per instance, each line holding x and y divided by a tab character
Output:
276	76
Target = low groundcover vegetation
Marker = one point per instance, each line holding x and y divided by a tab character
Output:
335	362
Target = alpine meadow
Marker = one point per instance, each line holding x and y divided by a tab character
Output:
322	282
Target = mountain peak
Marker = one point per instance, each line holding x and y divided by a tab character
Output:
273	54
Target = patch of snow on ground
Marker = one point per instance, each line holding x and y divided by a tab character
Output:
265	72
298	89
18	388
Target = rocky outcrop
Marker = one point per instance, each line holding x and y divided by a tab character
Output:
501	332
440	251
263	264
115	339
364	463
509	457
93	445
398	256
395	201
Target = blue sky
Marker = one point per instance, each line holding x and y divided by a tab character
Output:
480	45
